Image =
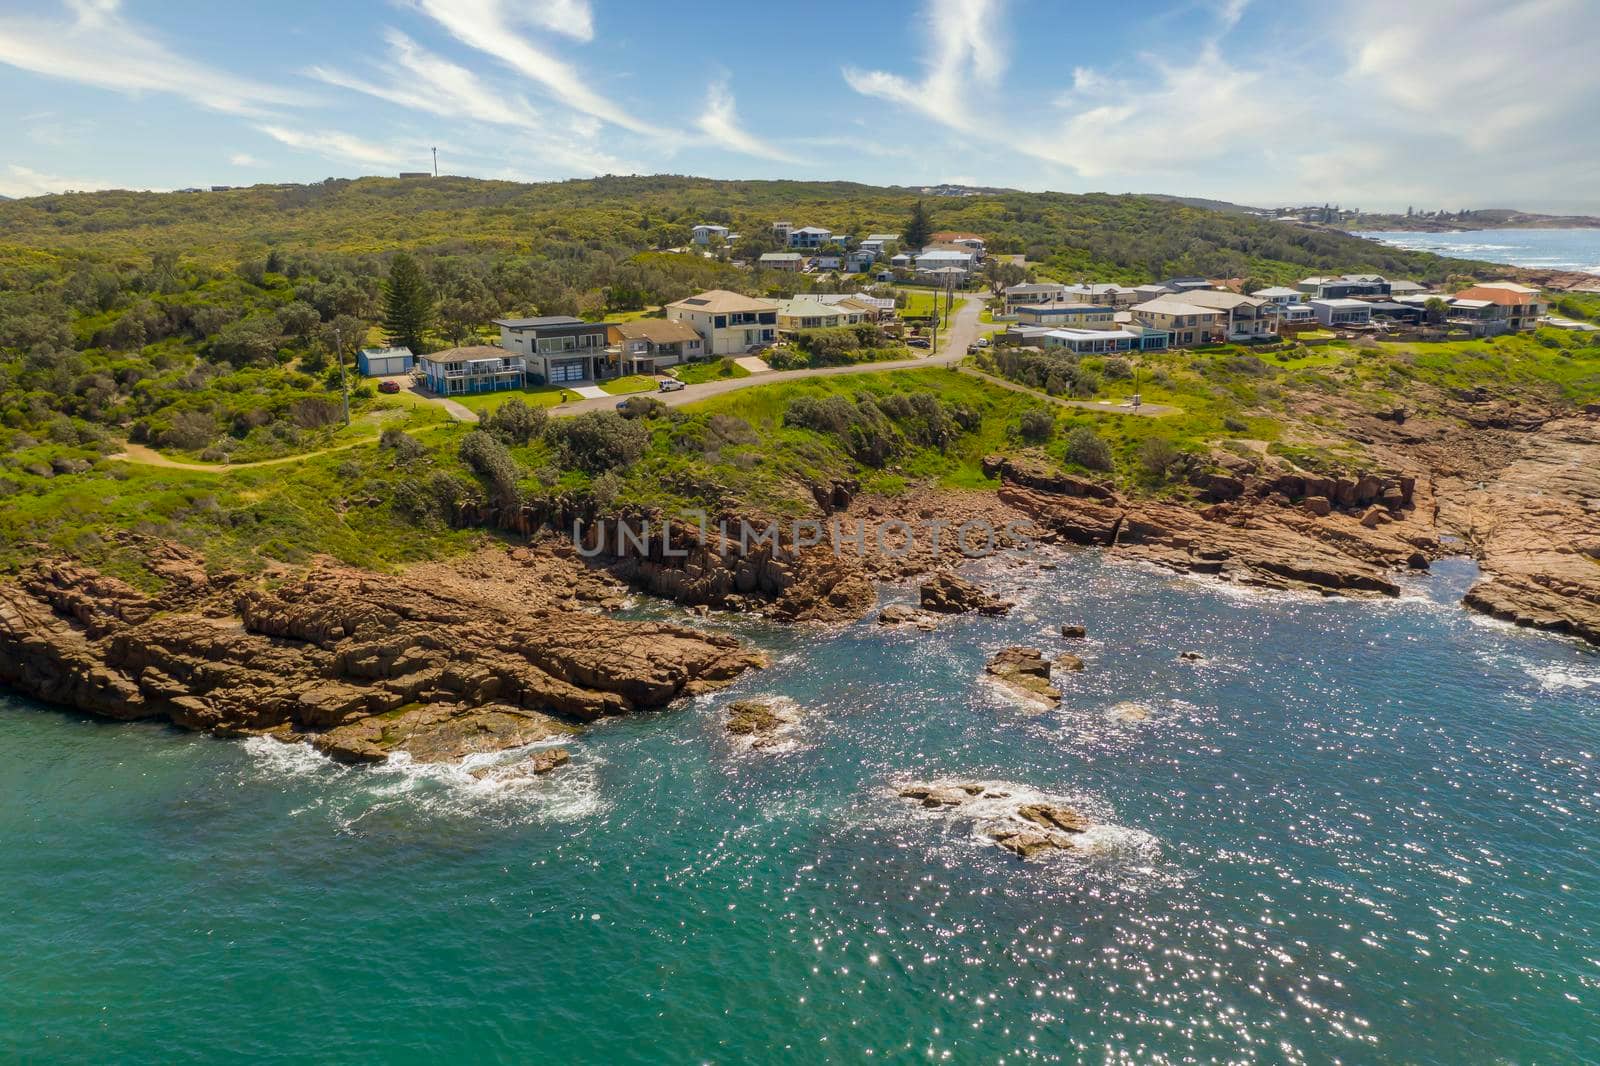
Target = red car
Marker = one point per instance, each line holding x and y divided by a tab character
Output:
388	386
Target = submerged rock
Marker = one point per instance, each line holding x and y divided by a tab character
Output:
1073	631
750	717
1026	843
538	764
1128	712
1069	662
1191	656
898	614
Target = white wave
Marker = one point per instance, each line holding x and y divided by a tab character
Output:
276	758
1556	677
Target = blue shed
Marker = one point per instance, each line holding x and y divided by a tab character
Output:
384	362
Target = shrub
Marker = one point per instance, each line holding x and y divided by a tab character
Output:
488	458
514	422
1157	455
641	407
598	441
1036	426
1116	369
189	430
1086	448
862	427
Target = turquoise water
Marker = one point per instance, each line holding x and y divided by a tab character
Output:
1356	833
1548	249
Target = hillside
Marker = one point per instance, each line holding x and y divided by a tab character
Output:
1125	238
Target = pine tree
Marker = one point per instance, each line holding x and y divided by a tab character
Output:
919	229
407	304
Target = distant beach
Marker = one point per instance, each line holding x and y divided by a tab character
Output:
1540	249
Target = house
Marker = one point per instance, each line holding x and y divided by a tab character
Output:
1118	296
1344	286
790	262
804	313
557	349
781	230
729	322
860	261
1406	288
1185	323
1249	318
942	261
646	345
1033	294
1279	295
1410	314
703	233
1187	283
1342	312
1068	316
827	261
1104	341
477	368
383	362
970	241
874	307
876	242
900	259
1152	291
810	237
1521	306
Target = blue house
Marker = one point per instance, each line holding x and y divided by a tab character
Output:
384	362
477	368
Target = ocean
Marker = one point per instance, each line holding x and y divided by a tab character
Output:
1356	832
1546	249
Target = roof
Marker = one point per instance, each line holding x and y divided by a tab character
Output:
721	301
381	352
787	257
1041	286
952	235
1340	305
656	330
1171	305
1470	304
1091	334
1066	309
1406	286
1221	301
1509	286
813	229
946	254
538	323
709	225
1496	295
883	236
1276	290
468	354
946	246
801	307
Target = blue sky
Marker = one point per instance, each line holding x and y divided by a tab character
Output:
1455	103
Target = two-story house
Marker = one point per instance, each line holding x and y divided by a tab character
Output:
476	368
1068	316
559	349
1249	318
810	237
1342	312
730	323
1344	286
1033	294
1521	306
1185	323
647	345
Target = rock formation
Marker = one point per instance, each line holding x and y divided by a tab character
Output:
434	663
947	593
1025	672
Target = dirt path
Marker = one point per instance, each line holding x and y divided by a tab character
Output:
138	453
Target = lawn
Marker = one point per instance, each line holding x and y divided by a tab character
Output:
724	369
632	383
920	303
486	402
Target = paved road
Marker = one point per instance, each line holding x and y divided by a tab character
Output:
963	330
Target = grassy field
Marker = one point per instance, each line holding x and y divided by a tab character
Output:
485	402
921	303
625	386
712	370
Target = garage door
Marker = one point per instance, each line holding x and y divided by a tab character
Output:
386	365
567	370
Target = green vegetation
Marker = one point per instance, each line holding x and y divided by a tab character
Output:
724	369
630	384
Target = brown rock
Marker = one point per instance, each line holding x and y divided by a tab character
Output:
1053	817
948	594
748	717
1074	632
1026	843
1317	505
1068	661
1024	672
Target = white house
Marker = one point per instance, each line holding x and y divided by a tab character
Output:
810	237
1033	294
944	260
705	231
730	322
875	242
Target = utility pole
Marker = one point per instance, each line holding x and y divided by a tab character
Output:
344	388
436	162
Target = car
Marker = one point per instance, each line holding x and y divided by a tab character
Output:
670	385
982	342
973	349
388	386
919	342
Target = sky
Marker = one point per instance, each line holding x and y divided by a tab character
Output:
1432	103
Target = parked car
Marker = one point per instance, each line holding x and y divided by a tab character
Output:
388	386
919	342
670	385
973	349
982	342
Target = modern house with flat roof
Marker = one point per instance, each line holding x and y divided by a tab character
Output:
475	368
647	345
730	323
1344	286
383	362
1121	297
875	242
560	349
1103	341
1342	312
703	233
804	313
1033	294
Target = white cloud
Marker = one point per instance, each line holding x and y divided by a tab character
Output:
243	159
720	122
345	148
18	181
422	81
965	51
97	46
490	26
